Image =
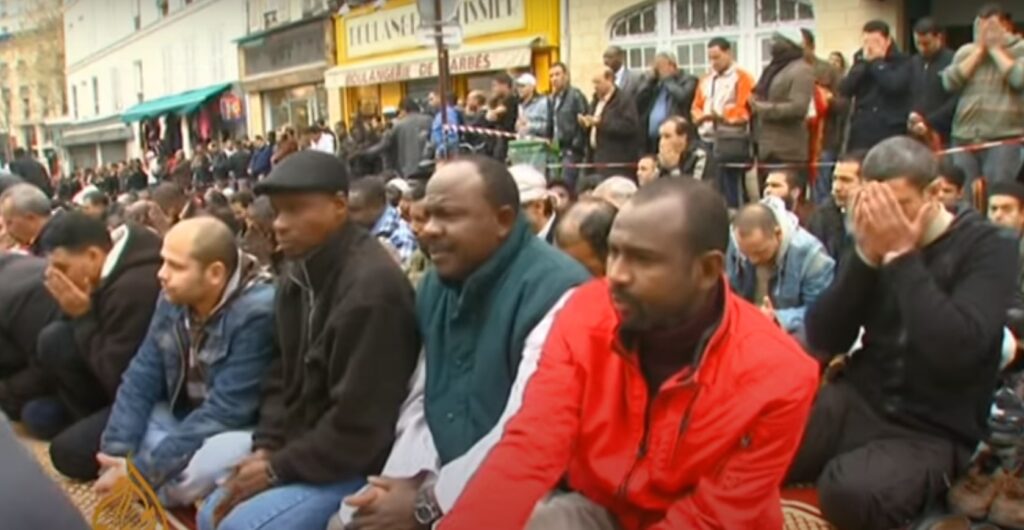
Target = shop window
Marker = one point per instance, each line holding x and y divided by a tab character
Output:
702	15
481	82
297	107
776	11
419	89
639	22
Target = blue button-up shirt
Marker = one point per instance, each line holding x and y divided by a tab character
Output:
393	229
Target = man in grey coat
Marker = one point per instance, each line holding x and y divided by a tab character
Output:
780	104
407	139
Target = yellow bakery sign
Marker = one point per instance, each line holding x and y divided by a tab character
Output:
392	29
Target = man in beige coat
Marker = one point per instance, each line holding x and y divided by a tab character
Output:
780	104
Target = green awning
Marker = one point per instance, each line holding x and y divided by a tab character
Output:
181	104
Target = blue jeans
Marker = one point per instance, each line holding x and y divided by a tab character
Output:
998	164
287	507
823	184
211	463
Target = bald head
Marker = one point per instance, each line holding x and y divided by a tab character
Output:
210	241
755	216
583	233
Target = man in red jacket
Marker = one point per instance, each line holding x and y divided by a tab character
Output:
663	399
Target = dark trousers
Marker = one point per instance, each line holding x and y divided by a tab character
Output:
19	385
871	474
731	183
73	451
77	388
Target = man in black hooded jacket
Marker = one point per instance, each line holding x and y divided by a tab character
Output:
106	286
25	309
930	291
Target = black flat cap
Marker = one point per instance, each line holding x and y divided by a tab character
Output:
306	172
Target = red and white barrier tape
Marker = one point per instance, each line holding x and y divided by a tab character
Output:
592	165
971	148
494	133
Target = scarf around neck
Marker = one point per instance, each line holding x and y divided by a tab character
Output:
779	61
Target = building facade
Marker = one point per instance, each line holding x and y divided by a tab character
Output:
381	57
282	60
683	27
31	76
134	69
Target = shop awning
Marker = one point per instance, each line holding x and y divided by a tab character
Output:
484	57
180	104
100	131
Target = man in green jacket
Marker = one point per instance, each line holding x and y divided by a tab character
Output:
988	74
484	311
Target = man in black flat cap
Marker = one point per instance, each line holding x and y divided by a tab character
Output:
348	343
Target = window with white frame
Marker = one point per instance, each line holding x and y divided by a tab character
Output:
95	96
115	89
140	95
684	28
640	22
782	11
702	15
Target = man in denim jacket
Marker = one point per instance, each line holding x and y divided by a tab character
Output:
186	403
776	264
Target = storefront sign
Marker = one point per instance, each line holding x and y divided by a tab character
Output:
230	107
395	29
286	49
460	63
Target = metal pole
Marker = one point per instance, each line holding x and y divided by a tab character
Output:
442	77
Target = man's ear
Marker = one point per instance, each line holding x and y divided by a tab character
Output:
709	269
341	202
507	216
217	271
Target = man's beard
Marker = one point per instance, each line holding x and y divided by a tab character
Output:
638	319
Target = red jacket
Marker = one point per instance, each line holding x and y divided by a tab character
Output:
718	445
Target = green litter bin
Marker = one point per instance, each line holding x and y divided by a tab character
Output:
532	152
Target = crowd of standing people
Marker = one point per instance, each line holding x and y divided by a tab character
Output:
729	285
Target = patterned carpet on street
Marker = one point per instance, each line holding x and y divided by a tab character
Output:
80	493
799	506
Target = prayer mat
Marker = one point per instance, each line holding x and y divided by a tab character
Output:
85	499
800	510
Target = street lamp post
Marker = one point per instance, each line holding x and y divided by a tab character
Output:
436	16
442	74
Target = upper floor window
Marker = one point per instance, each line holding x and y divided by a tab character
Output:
684	27
702	15
635	23
776	11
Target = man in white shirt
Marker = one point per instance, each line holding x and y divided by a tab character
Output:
324	141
